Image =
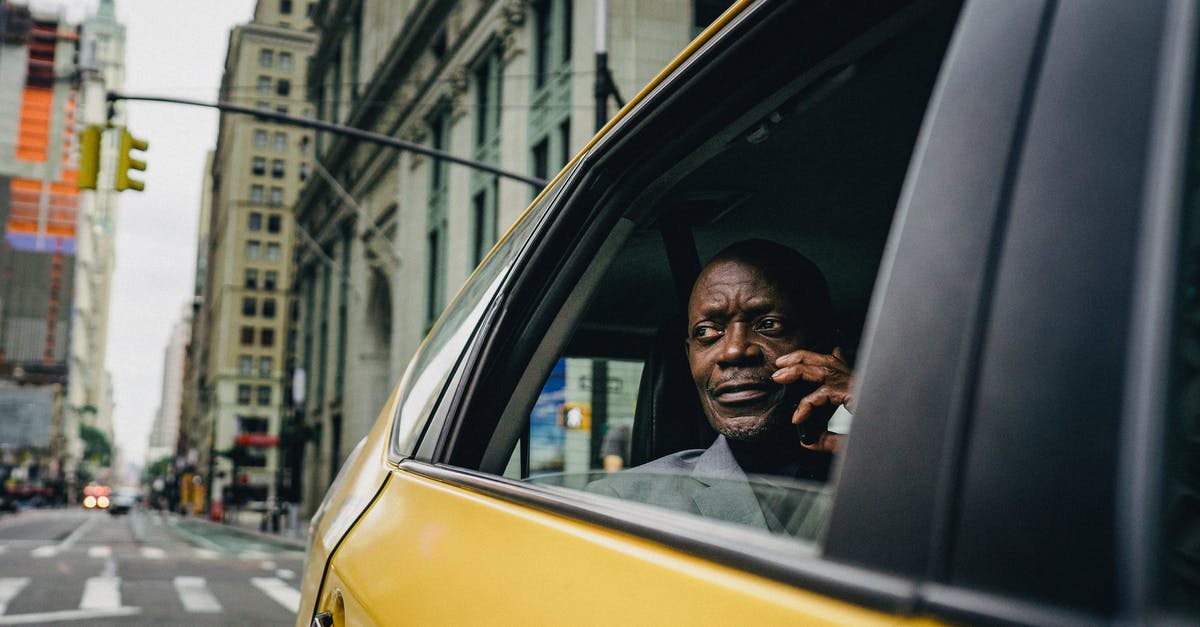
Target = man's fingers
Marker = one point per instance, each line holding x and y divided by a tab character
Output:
821	396
829	442
813	373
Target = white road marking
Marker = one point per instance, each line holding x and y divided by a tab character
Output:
70	540
284	573
153	553
44	551
269	565
3	550
194	594
252	555
279	592
54	618
9	588
101	593
205	554
100	551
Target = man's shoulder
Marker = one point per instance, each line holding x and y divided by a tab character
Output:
648	477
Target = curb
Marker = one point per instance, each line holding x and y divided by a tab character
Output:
272	538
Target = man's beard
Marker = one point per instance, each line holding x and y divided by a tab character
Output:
756	432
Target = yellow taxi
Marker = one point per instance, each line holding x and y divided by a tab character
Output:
1004	198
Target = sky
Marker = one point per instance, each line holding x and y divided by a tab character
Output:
172	48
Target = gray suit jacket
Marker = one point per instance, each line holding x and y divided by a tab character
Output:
709	482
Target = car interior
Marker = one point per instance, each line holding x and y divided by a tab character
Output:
820	171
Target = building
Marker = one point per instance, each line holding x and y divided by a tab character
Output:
242	319
102	68
394	234
164	433
39	203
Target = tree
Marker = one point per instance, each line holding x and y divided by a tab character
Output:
96	447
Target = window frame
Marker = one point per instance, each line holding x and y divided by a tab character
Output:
546	262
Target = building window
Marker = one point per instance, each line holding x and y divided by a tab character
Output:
266	336
281	109
283	87
285	7
266	58
280	142
262	106
483	225
263	85
277	169
258	166
260	139
245	365
304	171
249	424
564	142
285	61
243	397
264	394
269	280
276	198
274	220
541	159
256	194
266	366
252	250
249	306
273	251
251	279
268	308
247	336
541	42
255	221
488	92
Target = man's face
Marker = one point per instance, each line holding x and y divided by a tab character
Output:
739	323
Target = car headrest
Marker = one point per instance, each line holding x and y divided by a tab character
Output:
668	417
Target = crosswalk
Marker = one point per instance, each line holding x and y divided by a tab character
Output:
102	597
106	594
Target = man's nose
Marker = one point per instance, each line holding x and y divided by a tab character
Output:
738	346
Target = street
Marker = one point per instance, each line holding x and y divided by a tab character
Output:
59	566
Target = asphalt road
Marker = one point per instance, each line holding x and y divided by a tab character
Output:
67	566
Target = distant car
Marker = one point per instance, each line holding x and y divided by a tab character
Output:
123	500
97	496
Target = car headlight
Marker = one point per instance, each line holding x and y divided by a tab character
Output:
89	501
102	502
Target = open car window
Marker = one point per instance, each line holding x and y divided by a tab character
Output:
817	165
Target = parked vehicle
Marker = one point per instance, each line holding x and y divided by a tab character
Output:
1005	199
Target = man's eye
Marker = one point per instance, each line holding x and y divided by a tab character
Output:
705	332
769	325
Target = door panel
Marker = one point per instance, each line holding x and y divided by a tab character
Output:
431	553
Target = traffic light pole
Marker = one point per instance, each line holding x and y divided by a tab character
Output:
357	133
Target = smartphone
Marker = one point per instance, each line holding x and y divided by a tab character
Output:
811	430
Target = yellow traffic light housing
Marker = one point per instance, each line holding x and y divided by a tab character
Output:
126	162
89	156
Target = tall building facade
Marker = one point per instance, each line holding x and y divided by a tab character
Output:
101	69
39	203
394	234
256	172
164	433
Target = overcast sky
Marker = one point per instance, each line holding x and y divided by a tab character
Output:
173	48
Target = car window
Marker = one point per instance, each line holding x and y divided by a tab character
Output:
815	166
437	356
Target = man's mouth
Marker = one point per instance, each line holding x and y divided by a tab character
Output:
744	392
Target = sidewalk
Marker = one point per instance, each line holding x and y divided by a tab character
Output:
249	524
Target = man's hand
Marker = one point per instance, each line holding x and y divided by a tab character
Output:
834	381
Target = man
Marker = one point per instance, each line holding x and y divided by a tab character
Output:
761	350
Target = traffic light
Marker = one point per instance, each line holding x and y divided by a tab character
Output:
126	162
89	156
